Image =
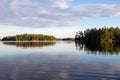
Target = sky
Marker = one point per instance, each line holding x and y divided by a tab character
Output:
61	18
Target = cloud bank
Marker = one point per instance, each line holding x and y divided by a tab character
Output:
47	13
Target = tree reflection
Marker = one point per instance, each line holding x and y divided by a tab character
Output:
102	48
30	44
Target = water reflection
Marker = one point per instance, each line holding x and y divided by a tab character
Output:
102	48
58	65
30	44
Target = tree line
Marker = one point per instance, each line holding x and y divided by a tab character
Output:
102	34
29	37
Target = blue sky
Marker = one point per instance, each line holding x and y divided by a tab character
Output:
61	18
78	2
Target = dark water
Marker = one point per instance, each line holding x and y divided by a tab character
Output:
59	61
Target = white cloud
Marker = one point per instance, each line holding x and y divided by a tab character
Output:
46	13
60	4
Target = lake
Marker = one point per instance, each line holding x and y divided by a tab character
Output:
61	60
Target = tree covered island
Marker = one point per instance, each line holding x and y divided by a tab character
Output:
29	37
97	35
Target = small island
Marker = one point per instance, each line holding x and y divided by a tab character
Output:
30	37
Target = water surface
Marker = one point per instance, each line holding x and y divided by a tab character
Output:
65	60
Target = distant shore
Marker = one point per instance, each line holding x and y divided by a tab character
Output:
99	35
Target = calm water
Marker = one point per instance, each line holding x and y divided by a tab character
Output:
59	61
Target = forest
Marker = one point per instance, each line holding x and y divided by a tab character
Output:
29	37
110	34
